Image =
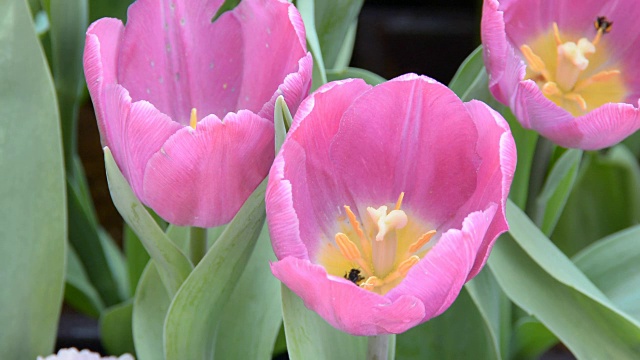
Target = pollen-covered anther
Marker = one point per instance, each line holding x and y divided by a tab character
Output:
422	241
371	283
402	269
193	121
350	251
355	224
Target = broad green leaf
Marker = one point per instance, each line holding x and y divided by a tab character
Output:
440	338
84	236
282	121
613	265
68	23
280	347
333	20
137	257
495	309
115	329
198	306
531	339
605	199
351	72
79	292
172	264
309	337
150	306
537	277
346	51
556	190
471	82
32	189
251	319
117	264
307	12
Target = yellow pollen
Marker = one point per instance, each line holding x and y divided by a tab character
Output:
390	243
564	69
194	118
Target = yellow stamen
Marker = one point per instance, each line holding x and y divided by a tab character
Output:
535	62
371	283
350	251
402	269
602	76
399	202
355	224
194	118
422	241
578	99
347	247
556	34
551	88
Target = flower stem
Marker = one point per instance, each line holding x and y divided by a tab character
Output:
197	244
378	347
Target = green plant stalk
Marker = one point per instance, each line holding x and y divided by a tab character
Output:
378	347
197	244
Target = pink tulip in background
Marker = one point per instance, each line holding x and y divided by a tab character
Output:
385	200
567	69
186	105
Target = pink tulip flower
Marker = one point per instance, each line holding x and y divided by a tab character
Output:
186	104
567	69
384	201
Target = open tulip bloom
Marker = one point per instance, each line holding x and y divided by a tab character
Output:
567	69
384	201
186	104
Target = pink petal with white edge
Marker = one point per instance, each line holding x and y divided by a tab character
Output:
497	148
309	172
495	47
99	61
275	44
413	151
346	306
437	279
134	133
202	177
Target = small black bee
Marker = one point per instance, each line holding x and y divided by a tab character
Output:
354	276
603	23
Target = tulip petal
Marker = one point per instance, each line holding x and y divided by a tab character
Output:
134	133
275	42
99	61
413	151
309	171
439	276
346	306
201	177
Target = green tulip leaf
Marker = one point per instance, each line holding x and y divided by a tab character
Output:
173	265
369	77
605	200
282	121
556	190
79	292
309	337
531	339
307	12
612	264
115	329
541	280
32	188
479	312
136	256
335	23
150	306
195	312
251	319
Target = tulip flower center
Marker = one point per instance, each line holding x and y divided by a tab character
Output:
571	73
377	255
